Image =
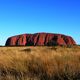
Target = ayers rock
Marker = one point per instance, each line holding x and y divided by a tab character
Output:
40	39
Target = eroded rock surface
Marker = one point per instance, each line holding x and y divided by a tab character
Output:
40	39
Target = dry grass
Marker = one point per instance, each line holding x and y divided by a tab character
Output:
40	63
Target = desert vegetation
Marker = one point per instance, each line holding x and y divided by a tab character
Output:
40	63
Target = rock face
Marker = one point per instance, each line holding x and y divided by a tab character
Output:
40	39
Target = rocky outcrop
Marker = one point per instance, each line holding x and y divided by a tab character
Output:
40	39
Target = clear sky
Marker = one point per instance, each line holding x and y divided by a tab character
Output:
31	16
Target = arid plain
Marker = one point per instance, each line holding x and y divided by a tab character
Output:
40	63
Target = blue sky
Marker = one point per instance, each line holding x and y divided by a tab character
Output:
31	16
